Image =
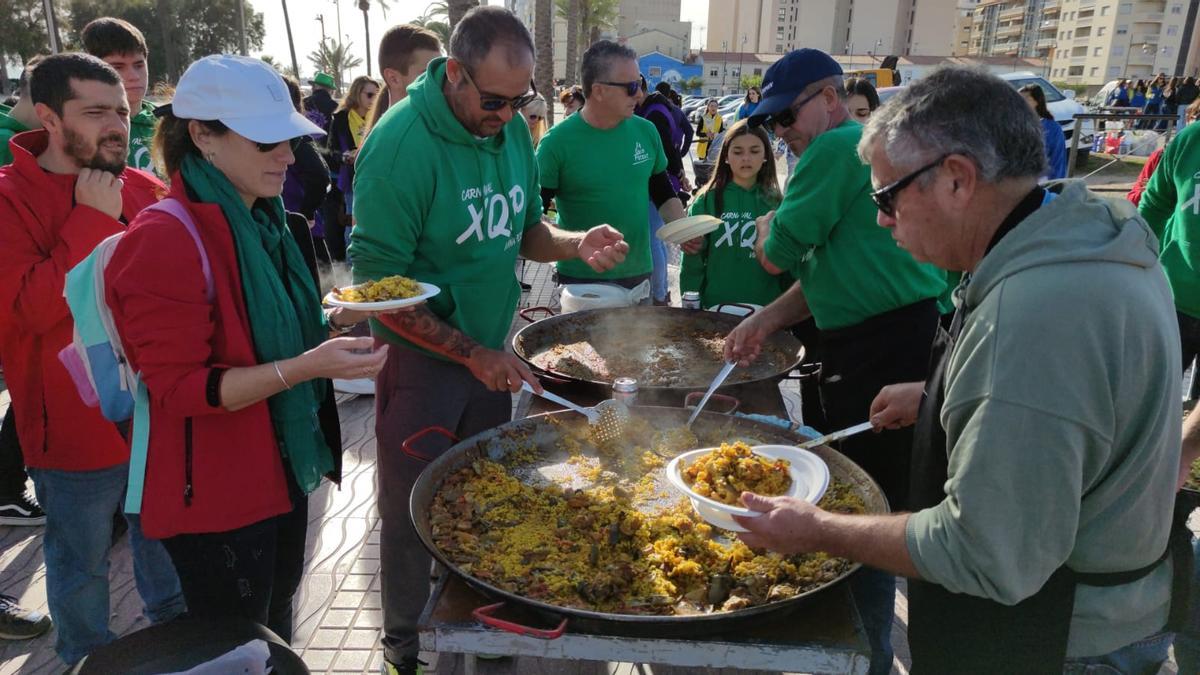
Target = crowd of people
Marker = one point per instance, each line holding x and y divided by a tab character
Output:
1159	96
1018	343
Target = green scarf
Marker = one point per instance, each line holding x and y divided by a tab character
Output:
284	311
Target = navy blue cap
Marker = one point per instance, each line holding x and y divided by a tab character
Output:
786	79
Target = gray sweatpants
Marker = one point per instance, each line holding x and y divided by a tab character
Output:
415	391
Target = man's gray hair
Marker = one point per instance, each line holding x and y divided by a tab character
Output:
486	27
597	62
962	111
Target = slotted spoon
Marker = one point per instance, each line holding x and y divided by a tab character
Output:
607	420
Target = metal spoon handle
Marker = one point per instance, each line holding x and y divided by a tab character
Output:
835	436
586	412
717	382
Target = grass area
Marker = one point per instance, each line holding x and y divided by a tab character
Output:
1127	169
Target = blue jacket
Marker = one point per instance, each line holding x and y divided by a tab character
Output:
1056	149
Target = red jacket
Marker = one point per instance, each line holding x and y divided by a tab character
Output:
1139	186
208	469
43	234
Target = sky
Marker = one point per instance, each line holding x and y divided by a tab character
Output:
306	30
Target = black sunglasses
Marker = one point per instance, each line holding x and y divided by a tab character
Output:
294	143
492	103
885	197
631	88
787	116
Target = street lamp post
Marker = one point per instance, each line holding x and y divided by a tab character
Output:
724	63
849	50
741	61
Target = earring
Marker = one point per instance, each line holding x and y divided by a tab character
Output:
210	156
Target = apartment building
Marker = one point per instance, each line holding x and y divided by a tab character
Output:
1102	40
867	27
1024	28
963	16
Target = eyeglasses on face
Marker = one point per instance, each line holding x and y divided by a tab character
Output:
885	197
294	143
631	88
492	103
787	116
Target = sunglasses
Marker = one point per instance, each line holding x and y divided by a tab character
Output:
492	103
631	88
787	117
294	143
535	117
885	197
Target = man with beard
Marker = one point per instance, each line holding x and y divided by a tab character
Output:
446	192
68	189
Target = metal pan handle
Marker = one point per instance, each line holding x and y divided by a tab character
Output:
484	615
749	310
693	398
407	445
529	311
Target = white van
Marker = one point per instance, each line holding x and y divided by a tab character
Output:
1061	104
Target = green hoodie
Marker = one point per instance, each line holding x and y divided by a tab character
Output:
141	132
1062	420
1171	205
9	127
727	270
436	203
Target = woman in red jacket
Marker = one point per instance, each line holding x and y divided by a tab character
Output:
235	382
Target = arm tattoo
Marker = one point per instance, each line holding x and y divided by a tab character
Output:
424	328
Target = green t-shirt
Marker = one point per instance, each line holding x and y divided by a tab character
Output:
9	127
141	132
1171	206
825	232
602	176
726	269
435	203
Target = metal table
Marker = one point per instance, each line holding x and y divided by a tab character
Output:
824	635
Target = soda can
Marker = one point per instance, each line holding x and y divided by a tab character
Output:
625	390
691	300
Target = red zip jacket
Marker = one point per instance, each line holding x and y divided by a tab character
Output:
43	234
207	469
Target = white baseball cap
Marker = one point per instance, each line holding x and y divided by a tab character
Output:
245	94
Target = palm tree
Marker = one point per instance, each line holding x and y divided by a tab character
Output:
287	23
438	28
594	16
365	6
438	8
334	58
573	8
455	9
544	41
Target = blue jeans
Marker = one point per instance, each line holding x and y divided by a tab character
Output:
79	508
874	594
1187	642
658	254
1143	657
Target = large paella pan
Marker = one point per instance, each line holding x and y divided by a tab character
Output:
663	348
533	513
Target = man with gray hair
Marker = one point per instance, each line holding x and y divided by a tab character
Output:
1048	433
604	165
875	306
446	191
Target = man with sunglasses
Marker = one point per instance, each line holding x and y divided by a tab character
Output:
604	166
446	192
876	307
1048	432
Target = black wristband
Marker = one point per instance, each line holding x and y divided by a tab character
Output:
212	389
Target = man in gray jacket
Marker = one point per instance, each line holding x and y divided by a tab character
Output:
1047	436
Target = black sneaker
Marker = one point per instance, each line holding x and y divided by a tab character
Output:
23	510
18	623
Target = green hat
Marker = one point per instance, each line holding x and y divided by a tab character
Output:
323	80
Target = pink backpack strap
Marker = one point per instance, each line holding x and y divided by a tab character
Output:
175	208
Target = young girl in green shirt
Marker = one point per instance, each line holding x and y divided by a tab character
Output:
742	188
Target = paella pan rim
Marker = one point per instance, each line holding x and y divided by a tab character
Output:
468	449
717	318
